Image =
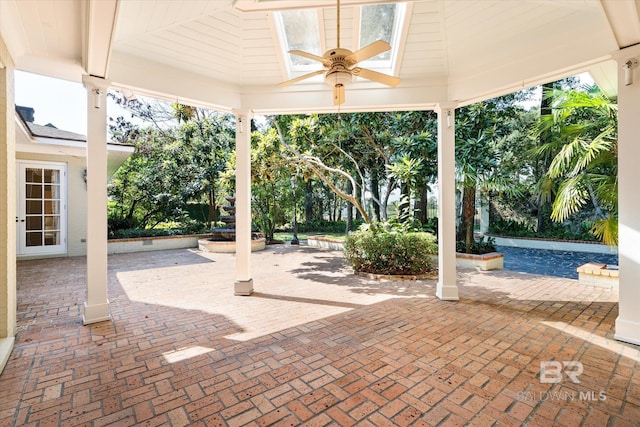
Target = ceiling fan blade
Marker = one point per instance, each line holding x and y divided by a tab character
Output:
375	76
369	51
308	55
297	79
338	94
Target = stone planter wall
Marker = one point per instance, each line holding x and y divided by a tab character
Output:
229	247
159	243
557	245
484	262
325	242
600	275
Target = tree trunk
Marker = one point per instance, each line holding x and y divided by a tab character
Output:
543	164
308	202
349	219
420	207
211	217
468	214
375	191
404	204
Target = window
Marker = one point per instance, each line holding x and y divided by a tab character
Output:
382	22
299	30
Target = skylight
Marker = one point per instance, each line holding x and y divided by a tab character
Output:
381	22
299	29
303	29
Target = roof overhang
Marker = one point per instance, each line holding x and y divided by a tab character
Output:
223	55
28	143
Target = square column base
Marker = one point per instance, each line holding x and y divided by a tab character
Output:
627	331
447	292
96	313
243	287
6	345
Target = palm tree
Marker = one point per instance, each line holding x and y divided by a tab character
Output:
583	138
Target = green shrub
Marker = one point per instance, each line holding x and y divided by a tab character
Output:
478	247
380	251
579	229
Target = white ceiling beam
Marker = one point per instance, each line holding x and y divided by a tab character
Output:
359	98
605	75
624	20
99	30
162	81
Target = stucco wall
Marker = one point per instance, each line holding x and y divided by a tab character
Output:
7	207
76	201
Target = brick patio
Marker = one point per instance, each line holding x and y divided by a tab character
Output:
314	345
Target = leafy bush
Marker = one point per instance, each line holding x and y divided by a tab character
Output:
190	227
383	251
478	247
579	229
324	226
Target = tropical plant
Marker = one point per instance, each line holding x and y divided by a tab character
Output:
479	127
583	129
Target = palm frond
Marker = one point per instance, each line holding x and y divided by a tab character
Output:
606	230
571	197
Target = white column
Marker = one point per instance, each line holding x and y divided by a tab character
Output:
447	288
7	207
96	307
628	321
244	283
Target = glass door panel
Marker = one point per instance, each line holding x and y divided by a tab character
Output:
42	208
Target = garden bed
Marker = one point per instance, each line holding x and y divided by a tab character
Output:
556	245
156	243
485	262
326	242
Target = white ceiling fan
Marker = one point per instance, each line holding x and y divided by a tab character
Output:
339	66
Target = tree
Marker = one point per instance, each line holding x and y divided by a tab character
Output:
270	175
303	129
180	156
479	127
583	129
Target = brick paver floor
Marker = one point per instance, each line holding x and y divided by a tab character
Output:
314	345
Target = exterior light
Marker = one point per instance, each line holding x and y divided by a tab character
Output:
628	71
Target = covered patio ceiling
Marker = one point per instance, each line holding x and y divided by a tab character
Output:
228	54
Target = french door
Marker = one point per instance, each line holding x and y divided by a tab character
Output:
41	217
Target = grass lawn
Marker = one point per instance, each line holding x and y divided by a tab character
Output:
287	236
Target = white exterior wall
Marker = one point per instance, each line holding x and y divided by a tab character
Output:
7	207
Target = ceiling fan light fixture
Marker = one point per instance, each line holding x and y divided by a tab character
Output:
341	77
339	65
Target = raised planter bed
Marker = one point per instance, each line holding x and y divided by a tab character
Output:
161	243
326	242
556	245
157	243
426	276
485	262
221	246
601	275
